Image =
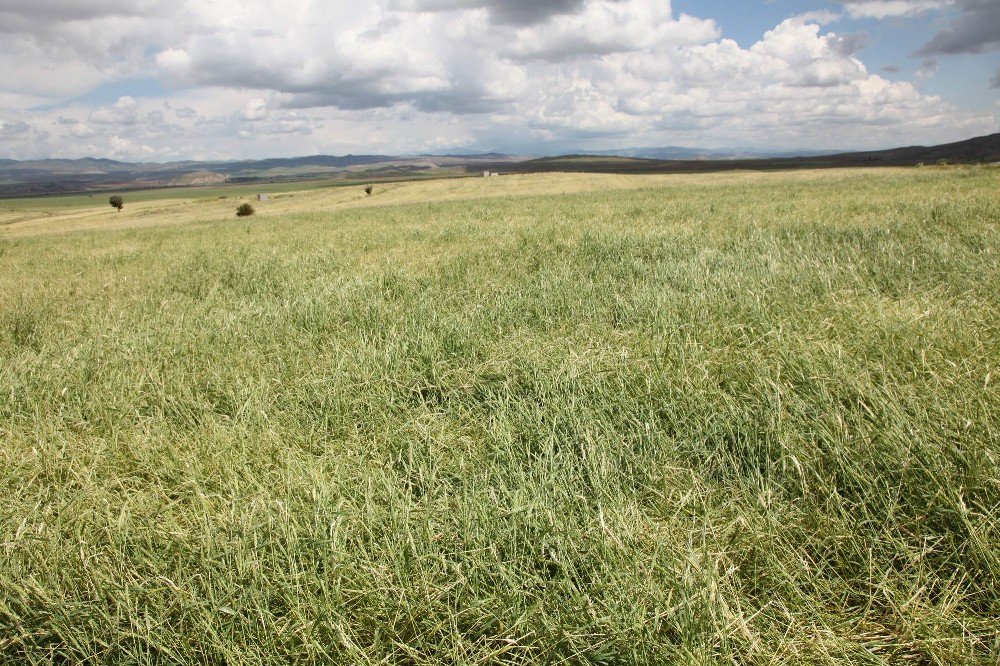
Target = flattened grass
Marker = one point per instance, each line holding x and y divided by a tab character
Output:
736	419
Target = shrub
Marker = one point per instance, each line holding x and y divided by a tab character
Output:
942	162
368	189
117	201
244	209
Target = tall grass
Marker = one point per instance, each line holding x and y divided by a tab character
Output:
750	421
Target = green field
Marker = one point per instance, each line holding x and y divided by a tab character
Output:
733	418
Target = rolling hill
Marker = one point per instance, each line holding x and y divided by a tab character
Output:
51	176
985	149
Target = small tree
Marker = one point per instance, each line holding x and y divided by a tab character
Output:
244	210
368	189
116	201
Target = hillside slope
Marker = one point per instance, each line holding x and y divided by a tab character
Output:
94	175
985	149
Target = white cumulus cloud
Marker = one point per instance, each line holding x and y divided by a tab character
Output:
254	110
123	112
414	75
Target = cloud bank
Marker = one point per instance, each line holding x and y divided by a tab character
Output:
245	78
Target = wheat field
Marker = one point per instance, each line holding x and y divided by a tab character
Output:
563	419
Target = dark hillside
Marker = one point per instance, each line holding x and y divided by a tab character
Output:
984	149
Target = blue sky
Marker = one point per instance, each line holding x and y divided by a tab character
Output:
149	81
892	41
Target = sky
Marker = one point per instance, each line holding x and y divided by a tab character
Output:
146	80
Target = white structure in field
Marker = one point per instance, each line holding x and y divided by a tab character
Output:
488	174
261	197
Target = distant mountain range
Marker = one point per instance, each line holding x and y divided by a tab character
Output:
682	153
50	176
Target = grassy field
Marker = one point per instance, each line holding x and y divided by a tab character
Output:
734	418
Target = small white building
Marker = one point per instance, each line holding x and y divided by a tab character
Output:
261	197
486	174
